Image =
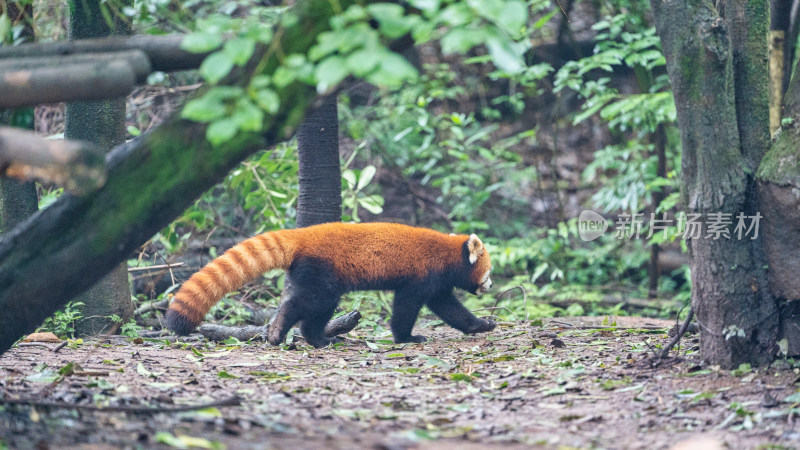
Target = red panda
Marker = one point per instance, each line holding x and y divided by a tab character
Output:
323	262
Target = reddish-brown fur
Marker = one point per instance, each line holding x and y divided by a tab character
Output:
359	255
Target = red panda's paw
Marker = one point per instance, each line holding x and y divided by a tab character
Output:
412	338
482	326
323	342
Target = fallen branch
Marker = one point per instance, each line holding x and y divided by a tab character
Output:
164	52
78	166
232	401
218	333
136	59
71	82
152	306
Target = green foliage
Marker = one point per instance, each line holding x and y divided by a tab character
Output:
62	322
625	172
353	197
129	328
456	154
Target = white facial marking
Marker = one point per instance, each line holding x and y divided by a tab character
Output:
485	283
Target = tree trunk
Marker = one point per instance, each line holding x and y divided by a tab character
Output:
18	199
319	172
320	177
718	70
778	184
151	180
103	124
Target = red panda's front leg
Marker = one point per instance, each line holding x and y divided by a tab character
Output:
449	309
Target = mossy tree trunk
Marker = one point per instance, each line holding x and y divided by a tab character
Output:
151	181
102	123
717	64
778	187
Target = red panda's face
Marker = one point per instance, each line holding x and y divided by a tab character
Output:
481	265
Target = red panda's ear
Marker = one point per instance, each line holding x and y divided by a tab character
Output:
475	247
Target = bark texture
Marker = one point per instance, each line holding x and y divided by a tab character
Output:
717	67
18	199
320	178
778	190
103	124
77	240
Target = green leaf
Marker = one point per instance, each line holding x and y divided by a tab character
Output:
330	72
211	106
393	71
239	50
222	130
203	109
349	177
144	372
513	17
373	204
166	438
366	176
794	398
460	377
249	116
201	42
364	61
268	100
224	374
391	19
428	6
216	66
283	76
461	39
503	53
5	27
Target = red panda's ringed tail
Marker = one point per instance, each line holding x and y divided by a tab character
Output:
242	263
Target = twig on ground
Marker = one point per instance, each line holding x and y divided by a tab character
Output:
60	346
34	344
524	299
492	308
231	401
157	267
677	337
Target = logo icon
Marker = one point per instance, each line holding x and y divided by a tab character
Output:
591	225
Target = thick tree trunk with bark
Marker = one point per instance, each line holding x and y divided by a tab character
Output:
151	180
319	172
718	70
18	199
320	177
778	184
103	124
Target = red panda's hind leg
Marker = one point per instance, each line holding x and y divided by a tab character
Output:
449	309
313	308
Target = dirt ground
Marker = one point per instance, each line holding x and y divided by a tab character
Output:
571	383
